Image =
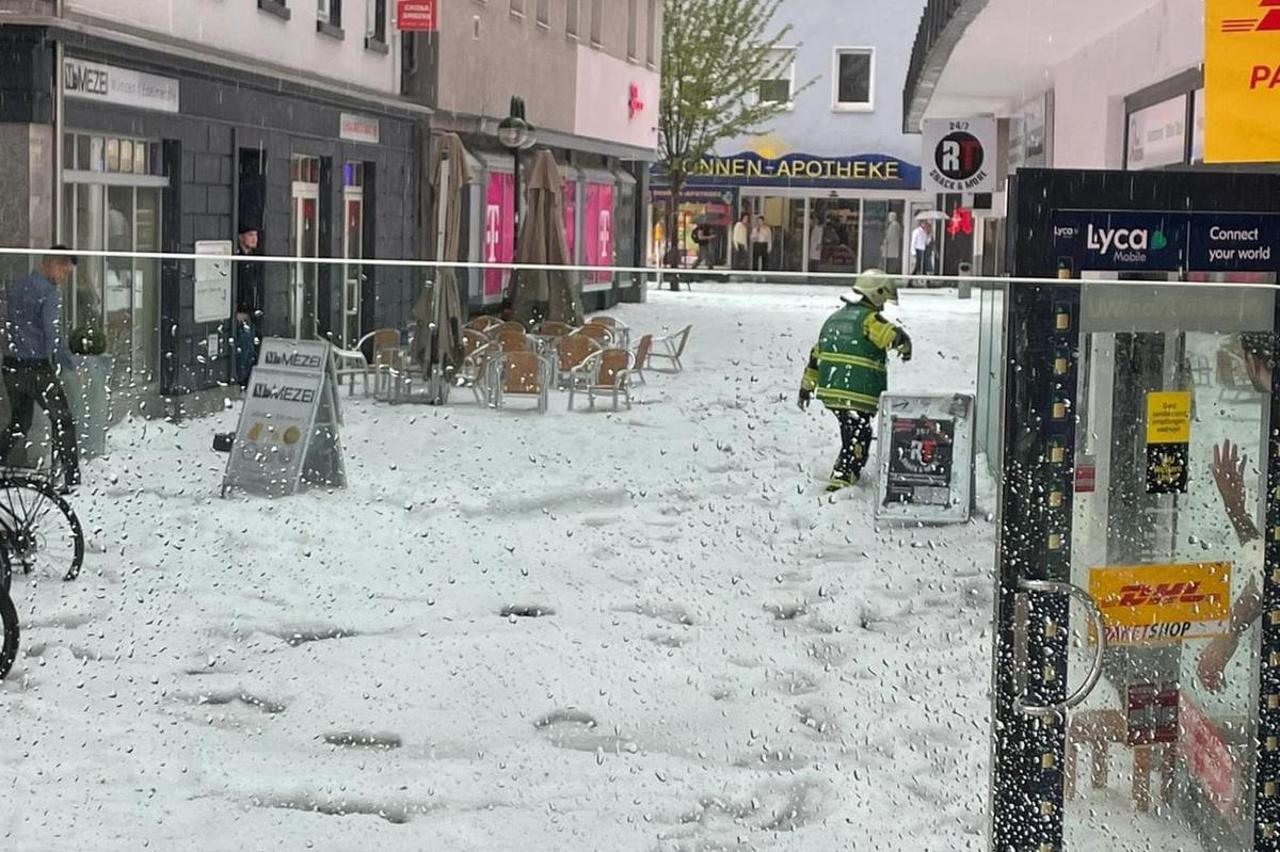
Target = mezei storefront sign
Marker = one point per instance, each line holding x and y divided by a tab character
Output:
111	84
864	171
1160	241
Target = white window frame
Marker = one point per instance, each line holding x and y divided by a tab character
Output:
633	30
517	8
597	23
544	13
322	11
789	75
836	104
651	33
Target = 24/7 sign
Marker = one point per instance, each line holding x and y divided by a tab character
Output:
1242	81
960	155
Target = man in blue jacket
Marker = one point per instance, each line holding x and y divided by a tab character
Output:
35	355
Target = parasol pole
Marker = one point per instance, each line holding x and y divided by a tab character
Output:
435	371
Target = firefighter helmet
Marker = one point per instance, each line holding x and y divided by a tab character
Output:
875	287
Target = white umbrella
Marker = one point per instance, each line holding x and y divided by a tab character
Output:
936	215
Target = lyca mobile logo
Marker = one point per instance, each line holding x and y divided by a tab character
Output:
1127	244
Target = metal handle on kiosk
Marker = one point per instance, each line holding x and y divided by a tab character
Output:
1020	645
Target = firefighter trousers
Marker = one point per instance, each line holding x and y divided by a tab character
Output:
855	445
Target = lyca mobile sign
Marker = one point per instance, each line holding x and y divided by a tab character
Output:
1242	81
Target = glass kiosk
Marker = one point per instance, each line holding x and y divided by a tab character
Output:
1137	650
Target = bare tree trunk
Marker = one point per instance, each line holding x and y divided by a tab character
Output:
674	242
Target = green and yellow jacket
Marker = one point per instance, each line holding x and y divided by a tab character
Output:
847	369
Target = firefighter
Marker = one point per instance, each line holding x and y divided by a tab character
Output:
848	368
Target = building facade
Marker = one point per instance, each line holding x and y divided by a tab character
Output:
835	178
175	125
588	73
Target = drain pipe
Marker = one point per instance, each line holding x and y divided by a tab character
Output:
59	120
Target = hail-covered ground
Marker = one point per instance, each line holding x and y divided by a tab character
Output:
642	630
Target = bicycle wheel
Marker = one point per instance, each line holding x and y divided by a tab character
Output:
41	529
9	629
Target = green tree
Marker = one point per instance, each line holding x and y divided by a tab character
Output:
715	55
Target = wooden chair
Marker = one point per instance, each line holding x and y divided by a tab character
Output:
671	348
640	357
473	340
555	329
605	372
520	374
475	370
388	358
618	330
1100	729
573	350
513	340
599	333
483	323
494	331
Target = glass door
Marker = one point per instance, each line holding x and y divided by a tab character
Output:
352	248
304	241
835	232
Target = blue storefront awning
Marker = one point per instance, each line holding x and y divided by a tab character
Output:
861	171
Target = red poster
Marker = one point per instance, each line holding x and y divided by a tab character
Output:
499	233
416	16
597	230
571	218
1207	755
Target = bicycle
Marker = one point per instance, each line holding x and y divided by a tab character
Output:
38	527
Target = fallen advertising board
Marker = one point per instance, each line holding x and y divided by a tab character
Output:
926	458
1162	604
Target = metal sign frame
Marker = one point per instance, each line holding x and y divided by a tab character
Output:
958	409
1042	344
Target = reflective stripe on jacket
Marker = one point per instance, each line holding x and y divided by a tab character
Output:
847	369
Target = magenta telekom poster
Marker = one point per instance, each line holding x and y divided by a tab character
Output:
499	233
597	230
571	218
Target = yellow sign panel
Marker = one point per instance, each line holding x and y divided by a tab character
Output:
1242	81
1160	604
1169	417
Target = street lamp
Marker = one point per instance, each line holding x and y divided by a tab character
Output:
516	134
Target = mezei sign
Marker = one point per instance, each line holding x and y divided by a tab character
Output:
95	81
1163	241
288	432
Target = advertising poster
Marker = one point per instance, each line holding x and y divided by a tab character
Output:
1168	441
499	233
1162	604
211	300
597	233
571	218
271	443
961	155
1207	756
920	453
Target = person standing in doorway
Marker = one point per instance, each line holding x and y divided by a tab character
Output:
742	241
37	352
761	238
249	274
921	245
817	234
702	238
891	245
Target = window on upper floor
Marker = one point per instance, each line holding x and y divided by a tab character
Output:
597	22
328	15
633	28
544	12
651	33
375	22
571	18
778	83
517	8
853	79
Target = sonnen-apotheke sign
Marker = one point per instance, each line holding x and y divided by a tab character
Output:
864	171
94	81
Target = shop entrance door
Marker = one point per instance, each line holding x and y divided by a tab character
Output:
1136	682
304	241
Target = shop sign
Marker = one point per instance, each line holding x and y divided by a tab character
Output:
417	16
597	235
1242	81
289	425
1162	604
868	171
1207	756
1164	241
212	285
111	84
960	154
1168	441
499	233
1158	135
926	470
359	128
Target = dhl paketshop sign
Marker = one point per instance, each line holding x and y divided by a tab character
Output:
1162	604
1242	81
